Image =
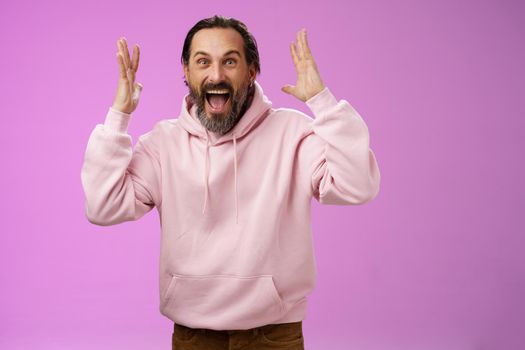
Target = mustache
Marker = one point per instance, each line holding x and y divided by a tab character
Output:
218	86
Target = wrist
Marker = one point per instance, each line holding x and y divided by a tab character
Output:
120	109
117	120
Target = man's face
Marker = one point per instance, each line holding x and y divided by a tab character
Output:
218	77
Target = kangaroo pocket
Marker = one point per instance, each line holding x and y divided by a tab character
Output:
222	302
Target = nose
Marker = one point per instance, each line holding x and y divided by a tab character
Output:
216	73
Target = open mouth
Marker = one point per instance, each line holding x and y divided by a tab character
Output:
217	99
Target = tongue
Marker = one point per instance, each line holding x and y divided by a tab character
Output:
217	101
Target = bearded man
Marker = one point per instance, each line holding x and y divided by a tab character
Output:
232	179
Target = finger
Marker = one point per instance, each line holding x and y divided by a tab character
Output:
300	45
293	51
137	89
307	51
125	52
122	68
131	76
121	51
136	57
289	89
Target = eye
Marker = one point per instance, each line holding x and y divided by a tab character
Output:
230	62
202	61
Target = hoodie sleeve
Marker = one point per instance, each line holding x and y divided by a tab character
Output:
119	184
346	171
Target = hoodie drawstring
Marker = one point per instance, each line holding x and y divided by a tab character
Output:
235	176
207	173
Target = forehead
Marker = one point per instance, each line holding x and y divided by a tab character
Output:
217	41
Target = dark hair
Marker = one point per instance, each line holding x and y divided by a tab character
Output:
250	45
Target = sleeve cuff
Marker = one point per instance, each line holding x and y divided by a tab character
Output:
319	102
117	121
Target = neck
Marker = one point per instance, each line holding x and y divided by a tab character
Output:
248	101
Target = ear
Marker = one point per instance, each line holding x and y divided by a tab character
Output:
252	72
186	71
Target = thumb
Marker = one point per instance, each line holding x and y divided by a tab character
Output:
289	89
137	89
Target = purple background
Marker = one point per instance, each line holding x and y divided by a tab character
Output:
434	262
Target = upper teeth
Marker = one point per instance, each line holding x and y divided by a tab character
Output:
218	91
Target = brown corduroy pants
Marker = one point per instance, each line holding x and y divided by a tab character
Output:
287	336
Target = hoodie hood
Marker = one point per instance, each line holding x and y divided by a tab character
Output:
253	116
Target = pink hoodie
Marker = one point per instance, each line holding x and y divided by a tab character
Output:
236	246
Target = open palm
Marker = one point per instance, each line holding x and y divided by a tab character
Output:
128	91
309	81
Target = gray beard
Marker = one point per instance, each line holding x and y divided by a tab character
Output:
217	124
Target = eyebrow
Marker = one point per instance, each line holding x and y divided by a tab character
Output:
231	52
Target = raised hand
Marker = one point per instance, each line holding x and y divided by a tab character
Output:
128	91
309	81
